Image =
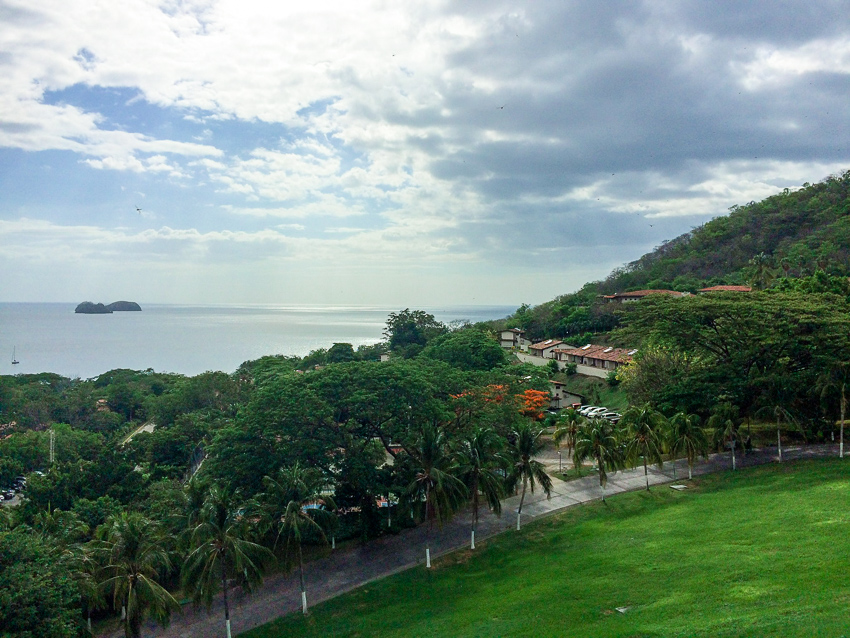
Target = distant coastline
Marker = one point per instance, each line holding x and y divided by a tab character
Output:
190	339
89	308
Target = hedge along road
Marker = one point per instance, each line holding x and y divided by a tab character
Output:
347	569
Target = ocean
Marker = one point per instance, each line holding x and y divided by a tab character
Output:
50	337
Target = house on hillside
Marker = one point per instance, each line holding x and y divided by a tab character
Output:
544	348
561	398
726	289
637	295
513	338
603	357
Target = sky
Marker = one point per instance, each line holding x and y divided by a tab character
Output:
394	153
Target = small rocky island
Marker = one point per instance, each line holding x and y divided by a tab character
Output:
89	308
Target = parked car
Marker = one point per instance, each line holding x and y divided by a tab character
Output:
592	414
9	495
613	417
587	408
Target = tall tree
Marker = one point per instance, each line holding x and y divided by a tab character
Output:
737	344
526	469
567	428
131	549
598	440
778	414
834	382
688	437
479	463
726	424
408	331
433	482
295	505
644	426
221	550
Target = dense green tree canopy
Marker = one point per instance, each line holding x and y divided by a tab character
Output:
467	349
735	346
38	597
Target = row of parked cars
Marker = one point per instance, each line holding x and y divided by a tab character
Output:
18	485
597	412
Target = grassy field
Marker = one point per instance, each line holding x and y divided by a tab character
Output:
762	552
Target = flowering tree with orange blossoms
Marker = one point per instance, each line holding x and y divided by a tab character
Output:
532	404
493	405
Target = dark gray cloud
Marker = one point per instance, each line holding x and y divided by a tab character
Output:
631	96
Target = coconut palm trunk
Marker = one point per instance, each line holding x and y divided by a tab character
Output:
428	530
474	513
646	474
733	454
225	597
521	499
602	477
301	580
841	431
690	470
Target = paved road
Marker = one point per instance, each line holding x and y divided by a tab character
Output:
347	569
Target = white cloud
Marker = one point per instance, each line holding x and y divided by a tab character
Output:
389	116
772	65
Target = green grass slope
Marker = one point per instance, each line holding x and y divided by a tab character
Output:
761	552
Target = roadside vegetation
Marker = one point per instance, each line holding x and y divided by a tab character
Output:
753	553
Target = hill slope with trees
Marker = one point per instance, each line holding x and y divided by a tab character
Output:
786	236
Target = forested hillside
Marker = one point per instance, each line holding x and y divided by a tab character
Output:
789	235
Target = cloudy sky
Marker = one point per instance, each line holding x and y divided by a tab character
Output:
396	153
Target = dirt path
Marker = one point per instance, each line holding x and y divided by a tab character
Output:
347	569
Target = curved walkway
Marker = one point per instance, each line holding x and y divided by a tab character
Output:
347	569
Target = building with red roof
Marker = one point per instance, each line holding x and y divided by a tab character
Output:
637	295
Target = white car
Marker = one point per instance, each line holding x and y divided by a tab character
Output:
584	410
592	414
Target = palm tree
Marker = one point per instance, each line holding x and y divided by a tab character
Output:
597	439
295	504
778	413
434	482
63	528
725	422
221	550
478	460
644	426
527	444
567	428
83	568
133	555
687	435
836	378
5	519
761	271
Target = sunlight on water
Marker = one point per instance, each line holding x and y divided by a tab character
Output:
50	337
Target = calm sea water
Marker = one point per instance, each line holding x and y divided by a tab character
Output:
50	337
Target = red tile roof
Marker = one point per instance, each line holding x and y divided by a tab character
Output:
731	288
549	343
604	353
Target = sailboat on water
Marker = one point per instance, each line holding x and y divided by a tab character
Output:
14	360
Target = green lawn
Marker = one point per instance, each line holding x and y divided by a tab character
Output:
761	552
